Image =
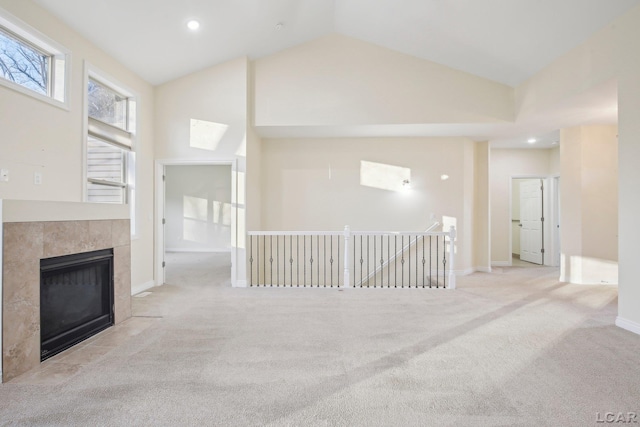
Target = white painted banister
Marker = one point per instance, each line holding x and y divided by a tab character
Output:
432	227
452	276
397	254
347	275
349	259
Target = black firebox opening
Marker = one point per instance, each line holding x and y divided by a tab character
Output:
76	299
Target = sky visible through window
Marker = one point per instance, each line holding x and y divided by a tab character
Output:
22	64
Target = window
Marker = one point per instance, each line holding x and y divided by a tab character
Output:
110	158
30	62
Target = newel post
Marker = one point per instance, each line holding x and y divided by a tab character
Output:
347	237
452	275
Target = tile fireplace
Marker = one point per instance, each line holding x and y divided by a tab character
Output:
25	245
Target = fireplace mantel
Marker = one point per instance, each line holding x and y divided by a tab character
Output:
33	230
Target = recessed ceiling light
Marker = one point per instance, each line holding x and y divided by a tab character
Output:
444	177
531	140
193	25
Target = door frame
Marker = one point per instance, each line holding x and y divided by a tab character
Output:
554	206
547	196
160	208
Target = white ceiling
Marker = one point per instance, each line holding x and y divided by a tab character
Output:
502	40
506	41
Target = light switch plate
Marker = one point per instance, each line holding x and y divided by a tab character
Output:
4	175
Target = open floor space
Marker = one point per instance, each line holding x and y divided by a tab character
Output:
514	347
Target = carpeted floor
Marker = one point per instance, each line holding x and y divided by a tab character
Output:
511	348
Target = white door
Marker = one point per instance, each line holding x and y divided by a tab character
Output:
531	243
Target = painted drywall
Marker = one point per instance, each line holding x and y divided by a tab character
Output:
198	208
203	117
254	175
507	164
254	161
338	80
318	184
628	60
40	137
580	70
589	205
481	213
554	161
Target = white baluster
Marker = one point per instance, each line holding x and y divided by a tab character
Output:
347	237
452	277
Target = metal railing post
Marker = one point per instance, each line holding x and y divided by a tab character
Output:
347	237
452	276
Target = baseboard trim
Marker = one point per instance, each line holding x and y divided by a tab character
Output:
240	284
483	269
464	272
136	289
629	325
206	250
500	263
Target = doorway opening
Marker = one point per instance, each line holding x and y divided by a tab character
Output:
197	222
533	212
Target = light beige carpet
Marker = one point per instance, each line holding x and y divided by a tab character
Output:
512	348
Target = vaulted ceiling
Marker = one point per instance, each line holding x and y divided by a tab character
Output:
503	40
506	41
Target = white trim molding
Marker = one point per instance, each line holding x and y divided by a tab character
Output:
236	252
500	263
629	325
240	284
59	67
483	269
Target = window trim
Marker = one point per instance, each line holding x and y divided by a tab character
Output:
25	33
133	108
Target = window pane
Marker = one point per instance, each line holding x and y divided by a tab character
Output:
107	105
105	161
105	193
24	65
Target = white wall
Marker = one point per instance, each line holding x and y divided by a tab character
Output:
505	165
589	204
580	70
315	184
37	136
203	117
337	80
198	208
481	211
628	60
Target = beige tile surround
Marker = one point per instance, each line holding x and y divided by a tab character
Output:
24	245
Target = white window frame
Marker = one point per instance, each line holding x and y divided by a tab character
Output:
131	165
59	67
